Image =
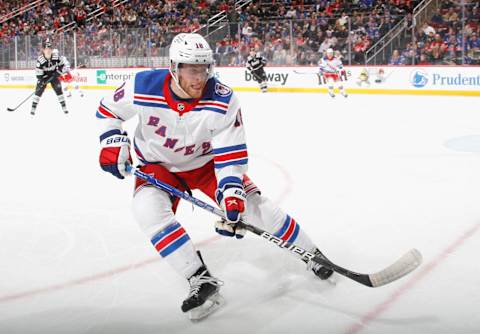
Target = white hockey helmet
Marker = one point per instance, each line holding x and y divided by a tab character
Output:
330	52
190	49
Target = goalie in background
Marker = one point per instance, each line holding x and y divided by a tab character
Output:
331	72
256	64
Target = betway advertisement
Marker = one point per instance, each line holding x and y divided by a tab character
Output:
433	80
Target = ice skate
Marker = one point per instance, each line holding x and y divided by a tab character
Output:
204	297
320	271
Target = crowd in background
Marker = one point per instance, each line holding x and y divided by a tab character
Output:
440	40
284	31
299	32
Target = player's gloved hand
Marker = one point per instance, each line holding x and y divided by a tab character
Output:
232	200
115	153
229	230
42	79
66	77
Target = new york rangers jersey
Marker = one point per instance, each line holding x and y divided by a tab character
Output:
177	134
333	65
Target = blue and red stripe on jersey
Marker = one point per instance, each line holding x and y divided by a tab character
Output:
145	100
212	105
289	230
230	155
139	153
170	239
104	112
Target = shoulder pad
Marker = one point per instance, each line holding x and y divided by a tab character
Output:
150	82
222	90
217	91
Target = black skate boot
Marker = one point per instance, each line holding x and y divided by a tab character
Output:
320	271
204	297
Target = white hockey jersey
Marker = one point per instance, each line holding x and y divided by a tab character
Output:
333	65
179	135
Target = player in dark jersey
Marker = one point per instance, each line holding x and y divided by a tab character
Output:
48	70
256	64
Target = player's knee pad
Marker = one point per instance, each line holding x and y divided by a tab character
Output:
263	212
152	209
57	87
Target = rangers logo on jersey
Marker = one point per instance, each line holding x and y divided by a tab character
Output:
222	90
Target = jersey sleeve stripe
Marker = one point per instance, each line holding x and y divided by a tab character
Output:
228	149
102	112
229	180
230	156
231	163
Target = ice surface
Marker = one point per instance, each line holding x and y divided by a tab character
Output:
368	177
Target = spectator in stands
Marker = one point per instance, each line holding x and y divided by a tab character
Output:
396	58
424	60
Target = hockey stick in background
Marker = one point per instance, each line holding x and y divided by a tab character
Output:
28	97
404	265
305	73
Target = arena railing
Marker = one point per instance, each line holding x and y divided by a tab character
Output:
21	10
381	51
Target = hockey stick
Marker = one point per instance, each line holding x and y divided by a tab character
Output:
257	77
407	263
26	99
304	73
29	96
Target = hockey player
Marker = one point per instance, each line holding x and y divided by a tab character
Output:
48	70
255	64
331	72
190	135
67	79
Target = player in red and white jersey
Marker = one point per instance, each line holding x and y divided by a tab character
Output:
190	134
68	82
331	72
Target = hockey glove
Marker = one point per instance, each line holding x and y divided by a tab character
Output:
43	79
115	153
229	230
66	77
232	200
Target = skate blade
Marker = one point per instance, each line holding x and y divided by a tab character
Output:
207	308
332	279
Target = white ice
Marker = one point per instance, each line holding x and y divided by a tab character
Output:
368	177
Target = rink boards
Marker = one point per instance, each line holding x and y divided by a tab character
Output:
397	80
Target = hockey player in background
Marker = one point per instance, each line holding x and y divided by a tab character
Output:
255	64
331	72
67	79
48	70
190	134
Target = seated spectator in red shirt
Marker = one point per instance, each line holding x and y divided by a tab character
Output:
424	60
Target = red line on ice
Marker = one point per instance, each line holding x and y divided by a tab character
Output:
426	269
